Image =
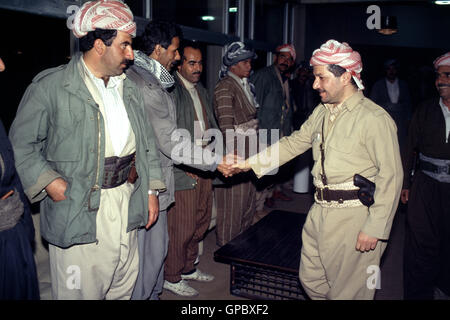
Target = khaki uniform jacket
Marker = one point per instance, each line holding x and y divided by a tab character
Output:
362	140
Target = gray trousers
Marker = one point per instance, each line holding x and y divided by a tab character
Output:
152	247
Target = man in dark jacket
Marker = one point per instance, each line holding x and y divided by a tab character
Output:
275	113
427	253
393	95
18	269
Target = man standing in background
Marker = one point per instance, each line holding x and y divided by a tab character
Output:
427	251
275	113
189	218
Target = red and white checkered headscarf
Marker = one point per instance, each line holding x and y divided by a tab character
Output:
104	14
287	48
443	60
341	54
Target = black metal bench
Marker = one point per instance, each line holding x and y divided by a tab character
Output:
265	258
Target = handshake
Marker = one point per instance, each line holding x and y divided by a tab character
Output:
233	164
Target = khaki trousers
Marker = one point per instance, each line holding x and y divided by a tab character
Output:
330	266
106	269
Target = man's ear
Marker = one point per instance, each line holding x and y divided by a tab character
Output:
347	77
157	50
99	47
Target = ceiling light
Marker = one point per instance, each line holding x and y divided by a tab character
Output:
388	25
442	2
208	18
232	9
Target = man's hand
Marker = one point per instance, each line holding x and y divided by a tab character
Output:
193	176
2	65
242	166
226	166
56	189
153	210
366	242
404	196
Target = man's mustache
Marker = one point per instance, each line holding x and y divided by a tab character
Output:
285	65
197	72
440	85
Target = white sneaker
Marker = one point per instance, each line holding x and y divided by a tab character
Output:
180	288
198	276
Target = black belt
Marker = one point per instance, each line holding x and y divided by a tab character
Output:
116	170
336	195
430	167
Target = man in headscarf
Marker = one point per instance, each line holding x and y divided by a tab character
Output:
276	111
345	233
79	138
427	253
235	107
393	94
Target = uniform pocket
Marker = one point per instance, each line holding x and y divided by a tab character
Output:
342	144
66	132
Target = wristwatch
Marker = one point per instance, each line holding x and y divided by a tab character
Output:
153	192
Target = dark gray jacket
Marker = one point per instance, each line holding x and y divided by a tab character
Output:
185	119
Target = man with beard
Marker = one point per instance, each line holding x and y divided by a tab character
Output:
157	54
275	113
427	251
345	232
79	133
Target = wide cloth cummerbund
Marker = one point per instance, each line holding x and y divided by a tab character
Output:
117	170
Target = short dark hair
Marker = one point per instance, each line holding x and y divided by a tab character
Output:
87	41
188	44
338	71
157	32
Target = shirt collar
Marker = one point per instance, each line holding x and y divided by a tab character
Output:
349	104
186	83
112	82
235	77
443	106
395	83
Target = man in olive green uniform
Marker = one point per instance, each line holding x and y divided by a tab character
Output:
343	240
79	131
